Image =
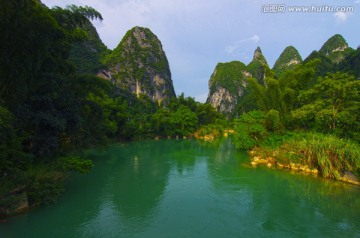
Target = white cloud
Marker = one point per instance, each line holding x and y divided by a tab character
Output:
231	49
341	16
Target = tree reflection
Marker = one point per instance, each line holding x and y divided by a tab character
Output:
284	203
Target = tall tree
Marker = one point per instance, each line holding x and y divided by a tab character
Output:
332	105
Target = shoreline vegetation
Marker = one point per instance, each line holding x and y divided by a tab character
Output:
304	119
50	111
318	154
313	153
211	132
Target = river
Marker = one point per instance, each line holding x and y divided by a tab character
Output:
189	188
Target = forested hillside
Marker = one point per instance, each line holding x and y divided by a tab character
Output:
62	91
306	122
296	115
52	104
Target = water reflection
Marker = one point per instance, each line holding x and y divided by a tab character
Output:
274	202
138	182
280	203
189	188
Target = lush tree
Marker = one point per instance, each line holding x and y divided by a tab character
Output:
161	122
351	64
250	129
12	158
272	121
36	77
332	105
207	114
40	111
184	121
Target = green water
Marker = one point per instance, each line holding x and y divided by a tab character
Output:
188	188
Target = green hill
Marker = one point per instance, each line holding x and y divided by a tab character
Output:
288	59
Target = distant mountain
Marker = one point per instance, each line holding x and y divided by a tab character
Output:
226	85
258	66
288	59
88	56
139	64
332	54
228	91
335	49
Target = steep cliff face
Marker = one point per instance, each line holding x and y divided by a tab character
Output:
258	66
226	86
139	64
288	59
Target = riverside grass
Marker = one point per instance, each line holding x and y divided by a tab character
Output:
331	155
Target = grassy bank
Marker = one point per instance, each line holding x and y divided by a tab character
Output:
331	156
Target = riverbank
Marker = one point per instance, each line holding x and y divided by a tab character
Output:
184	188
211	132
40	184
313	153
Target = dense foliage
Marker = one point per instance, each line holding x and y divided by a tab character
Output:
230	76
88	56
332	155
306	99
183	117
50	111
40	108
351	64
250	129
298	101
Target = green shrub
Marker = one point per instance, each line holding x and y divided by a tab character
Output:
250	130
212	129
272	120
75	163
330	154
44	185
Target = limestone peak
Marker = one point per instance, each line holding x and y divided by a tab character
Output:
288	59
258	56
139	64
334	44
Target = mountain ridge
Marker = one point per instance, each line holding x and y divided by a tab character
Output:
334	55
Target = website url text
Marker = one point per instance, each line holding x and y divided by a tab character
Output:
282	8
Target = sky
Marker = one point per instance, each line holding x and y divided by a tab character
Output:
197	34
